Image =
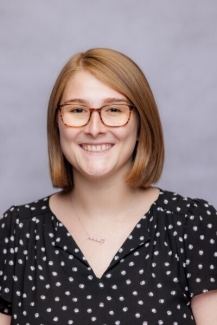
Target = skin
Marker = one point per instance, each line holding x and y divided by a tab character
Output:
113	163
100	193
88	90
4	319
204	308
99	180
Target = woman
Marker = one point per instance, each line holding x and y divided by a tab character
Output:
109	248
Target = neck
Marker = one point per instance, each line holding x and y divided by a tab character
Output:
101	197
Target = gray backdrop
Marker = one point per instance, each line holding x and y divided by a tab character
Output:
174	42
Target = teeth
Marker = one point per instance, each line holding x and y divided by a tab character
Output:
96	148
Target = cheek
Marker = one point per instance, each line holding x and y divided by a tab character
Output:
134	130
66	134
128	141
67	147
64	138
67	139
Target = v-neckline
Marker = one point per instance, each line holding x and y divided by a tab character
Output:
137	237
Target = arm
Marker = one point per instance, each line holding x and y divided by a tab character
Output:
5	319
204	307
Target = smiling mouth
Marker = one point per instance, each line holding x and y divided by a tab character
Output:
96	148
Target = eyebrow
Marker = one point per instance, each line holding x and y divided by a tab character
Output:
106	101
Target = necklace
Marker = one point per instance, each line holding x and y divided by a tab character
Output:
101	240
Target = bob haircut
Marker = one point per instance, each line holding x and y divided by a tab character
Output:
123	75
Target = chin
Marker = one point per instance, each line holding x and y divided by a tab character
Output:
98	174
97	171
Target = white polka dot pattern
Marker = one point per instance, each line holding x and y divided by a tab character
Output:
170	256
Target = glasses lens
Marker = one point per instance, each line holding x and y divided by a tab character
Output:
75	115
115	115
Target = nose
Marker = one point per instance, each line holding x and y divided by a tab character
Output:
95	125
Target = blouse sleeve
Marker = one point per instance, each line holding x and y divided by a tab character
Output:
8	249
201	247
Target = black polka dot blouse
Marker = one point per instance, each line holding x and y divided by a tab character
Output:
170	256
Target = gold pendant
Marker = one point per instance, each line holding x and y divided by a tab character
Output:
98	241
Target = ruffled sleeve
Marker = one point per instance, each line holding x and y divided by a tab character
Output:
201	247
8	250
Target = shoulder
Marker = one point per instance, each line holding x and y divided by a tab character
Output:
17	221
17	213
178	204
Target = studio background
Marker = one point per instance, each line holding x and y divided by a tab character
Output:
175	44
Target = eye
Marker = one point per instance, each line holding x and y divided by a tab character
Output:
76	109
114	109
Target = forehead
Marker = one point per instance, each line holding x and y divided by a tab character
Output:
84	85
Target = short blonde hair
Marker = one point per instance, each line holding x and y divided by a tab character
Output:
123	75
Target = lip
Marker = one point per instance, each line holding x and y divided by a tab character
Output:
96	148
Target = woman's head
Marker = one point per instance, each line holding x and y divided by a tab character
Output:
123	75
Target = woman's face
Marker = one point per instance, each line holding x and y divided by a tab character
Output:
97	150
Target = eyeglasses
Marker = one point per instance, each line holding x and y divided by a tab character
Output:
77	115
